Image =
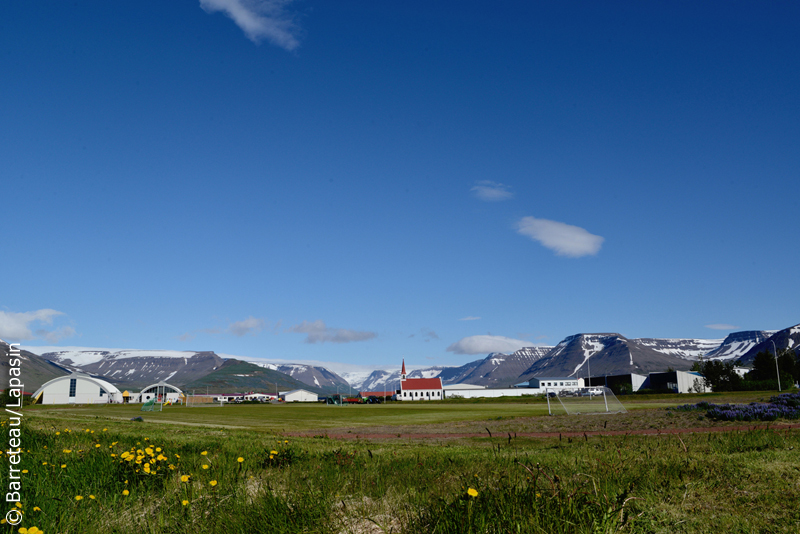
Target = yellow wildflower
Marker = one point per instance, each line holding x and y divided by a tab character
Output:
213	483
91	496
126	493
78	498
273	452
63	466
204	453
472	492
184	478
184	502
37	509
240	459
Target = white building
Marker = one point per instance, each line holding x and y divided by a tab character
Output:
77	388
162	392
470	391
540	384
412	389
298	395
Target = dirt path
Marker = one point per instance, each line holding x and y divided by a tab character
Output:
778	427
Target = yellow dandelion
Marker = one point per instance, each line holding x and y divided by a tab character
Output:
184	478
204	453
286	441
18	504
58	433
205	466
105	429
97	445
149	451
63	466
125	493
213	483
44	463
23	530
37	509
240	459
78	498
67	451
35	530
24	470
178	456
158	449
273	452
472	492
91	496
184	502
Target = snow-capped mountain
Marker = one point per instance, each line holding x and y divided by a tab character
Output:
688	349
607	353
788	338
138	368
497	369
308	374
738	344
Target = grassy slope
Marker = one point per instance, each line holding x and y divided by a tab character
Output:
237	376
694	483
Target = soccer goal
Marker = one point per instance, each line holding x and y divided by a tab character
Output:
598	399
204	401
150	406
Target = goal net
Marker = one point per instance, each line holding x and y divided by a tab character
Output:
597	399
204	401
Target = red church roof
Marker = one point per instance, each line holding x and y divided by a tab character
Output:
421	383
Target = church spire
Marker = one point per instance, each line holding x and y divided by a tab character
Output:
403	370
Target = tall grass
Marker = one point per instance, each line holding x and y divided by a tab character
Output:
205	480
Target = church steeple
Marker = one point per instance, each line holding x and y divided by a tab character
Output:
403	370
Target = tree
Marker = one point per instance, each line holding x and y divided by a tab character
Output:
720	376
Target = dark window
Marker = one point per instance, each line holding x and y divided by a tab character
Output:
102	392
73	383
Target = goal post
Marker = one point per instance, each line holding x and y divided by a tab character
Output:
588	400
204	401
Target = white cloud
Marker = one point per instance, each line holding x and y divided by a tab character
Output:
491	191
564	239
486	344
319	332
16	326
251	325
55	336
721	326
260	19
470	318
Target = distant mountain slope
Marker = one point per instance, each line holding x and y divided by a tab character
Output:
35	369
311	375
688	349
737	344
609	353
500	370
788	338
235	376
139	368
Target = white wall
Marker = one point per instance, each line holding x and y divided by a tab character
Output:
420	394
86	392
471	393
299	395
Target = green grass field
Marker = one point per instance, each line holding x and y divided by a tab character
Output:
93	470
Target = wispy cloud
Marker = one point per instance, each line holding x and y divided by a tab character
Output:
564	239
470	318
17	326
260	19
486	344
251	325
429	334
721	326
319	332
489	191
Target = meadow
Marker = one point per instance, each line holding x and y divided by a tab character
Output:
237	469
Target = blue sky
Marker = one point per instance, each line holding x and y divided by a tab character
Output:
362	182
